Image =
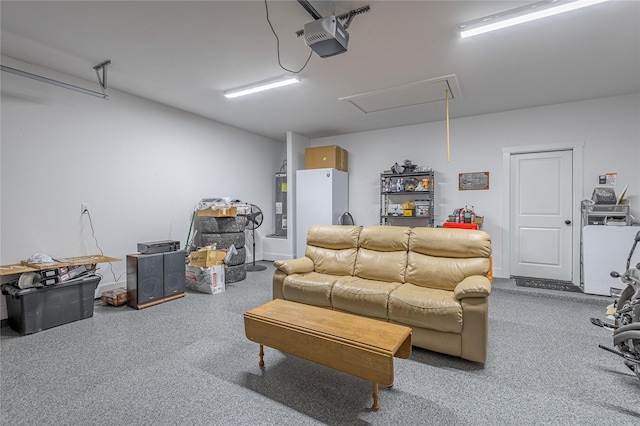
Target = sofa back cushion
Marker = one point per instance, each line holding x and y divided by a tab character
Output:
333	248
382	253
443	257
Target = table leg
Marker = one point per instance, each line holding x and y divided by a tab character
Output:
261	363
375	406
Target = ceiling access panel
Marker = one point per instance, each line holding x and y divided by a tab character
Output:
406	95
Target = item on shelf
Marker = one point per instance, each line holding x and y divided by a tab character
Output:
397	169
604	196
386	185
394	209
408	167
465	215
422	208
411	184
408	205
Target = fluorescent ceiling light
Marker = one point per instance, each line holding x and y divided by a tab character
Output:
261	86
521	15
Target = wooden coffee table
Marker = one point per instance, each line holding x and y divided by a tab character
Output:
355	345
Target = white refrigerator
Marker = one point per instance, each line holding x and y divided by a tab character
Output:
322	196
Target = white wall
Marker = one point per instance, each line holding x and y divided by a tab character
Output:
608	127
140	165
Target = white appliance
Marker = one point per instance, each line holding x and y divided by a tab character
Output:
605	249
322	196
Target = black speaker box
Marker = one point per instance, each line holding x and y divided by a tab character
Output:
174	271
145	279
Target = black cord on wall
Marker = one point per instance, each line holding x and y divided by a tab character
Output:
93	234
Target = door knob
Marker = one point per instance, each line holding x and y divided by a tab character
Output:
567	222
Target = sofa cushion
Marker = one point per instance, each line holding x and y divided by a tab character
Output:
382	253
450	242
425	307
311	288
381	266
332	262
442	272
362	297
333	248
333	237
384	238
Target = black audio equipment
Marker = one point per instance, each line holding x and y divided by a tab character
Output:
158	246
174	271
145	279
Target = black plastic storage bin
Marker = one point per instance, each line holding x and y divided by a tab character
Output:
35	309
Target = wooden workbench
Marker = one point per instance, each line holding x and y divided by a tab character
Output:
25	266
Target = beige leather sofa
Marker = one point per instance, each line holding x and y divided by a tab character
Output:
430	279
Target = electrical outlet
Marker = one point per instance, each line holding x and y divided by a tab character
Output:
84	207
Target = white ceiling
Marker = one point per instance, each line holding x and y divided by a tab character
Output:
185	53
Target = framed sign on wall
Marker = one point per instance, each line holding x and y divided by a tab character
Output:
473	181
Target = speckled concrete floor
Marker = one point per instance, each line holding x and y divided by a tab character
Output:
187	362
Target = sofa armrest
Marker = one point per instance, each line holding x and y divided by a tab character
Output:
295	266
473	286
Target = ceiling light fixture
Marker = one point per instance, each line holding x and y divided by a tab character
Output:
261	86
521	15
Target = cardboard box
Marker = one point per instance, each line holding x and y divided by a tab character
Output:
408	205
115	297
205	280
206	258
218	212
326	157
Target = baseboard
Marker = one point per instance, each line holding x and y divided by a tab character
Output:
270	257
276	248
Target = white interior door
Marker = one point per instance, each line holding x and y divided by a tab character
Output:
541	219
